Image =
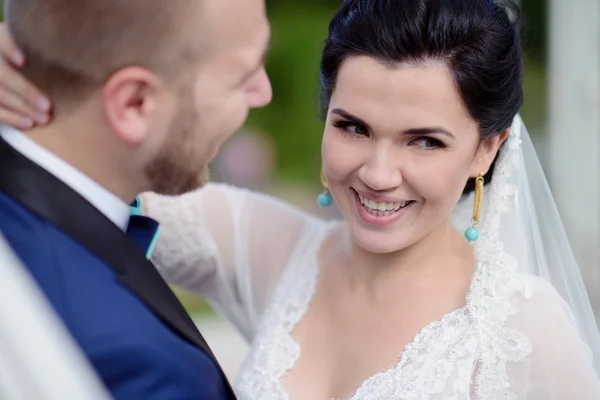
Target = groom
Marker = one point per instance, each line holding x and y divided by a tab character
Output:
144	94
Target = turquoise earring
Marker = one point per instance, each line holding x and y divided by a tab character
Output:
324	199
472	234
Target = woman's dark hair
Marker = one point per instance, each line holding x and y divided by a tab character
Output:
477	39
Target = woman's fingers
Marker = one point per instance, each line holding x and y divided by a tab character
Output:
17	105
15	120
17	95
12	81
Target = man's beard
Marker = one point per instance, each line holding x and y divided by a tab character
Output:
180	167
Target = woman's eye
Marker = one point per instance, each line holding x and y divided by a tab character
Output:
350	127
427	142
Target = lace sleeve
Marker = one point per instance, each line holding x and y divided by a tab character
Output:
226	244
560	365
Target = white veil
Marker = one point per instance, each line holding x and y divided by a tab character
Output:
542	242
530	228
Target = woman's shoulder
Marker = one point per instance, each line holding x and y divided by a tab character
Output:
321	238
536	295
318	243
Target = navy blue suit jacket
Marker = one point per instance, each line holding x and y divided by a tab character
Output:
116	306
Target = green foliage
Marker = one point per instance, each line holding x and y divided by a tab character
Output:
535	26
535	88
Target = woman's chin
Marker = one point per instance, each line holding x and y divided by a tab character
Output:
377	242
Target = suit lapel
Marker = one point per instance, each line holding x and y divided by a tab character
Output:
50	198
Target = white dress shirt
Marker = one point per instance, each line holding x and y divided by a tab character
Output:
106	202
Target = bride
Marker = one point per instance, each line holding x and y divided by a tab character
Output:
422	142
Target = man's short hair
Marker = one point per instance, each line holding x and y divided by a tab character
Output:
73	46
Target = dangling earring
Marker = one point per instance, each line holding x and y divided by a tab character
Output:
324	199
472	234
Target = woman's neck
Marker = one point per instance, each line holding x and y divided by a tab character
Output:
444	251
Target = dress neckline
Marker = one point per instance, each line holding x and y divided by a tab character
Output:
300	282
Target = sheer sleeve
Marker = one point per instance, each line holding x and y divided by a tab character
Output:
560	365
227	244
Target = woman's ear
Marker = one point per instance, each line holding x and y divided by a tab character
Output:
486	153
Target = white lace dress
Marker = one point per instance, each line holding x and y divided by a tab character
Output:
255	259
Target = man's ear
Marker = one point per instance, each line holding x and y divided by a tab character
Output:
486	153
130	99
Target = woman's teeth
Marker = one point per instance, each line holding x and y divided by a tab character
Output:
381	209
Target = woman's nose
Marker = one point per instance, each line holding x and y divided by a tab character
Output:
380	174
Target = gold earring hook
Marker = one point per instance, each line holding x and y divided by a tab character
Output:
323	181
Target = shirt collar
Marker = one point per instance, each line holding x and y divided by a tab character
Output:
106	202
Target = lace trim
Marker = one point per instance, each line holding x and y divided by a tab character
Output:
489	301
277	351
411	378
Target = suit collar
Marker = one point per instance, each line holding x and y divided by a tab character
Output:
106	202
50	198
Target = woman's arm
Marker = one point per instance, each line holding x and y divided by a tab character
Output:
227	244
561	362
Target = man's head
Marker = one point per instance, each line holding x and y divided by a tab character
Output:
153	88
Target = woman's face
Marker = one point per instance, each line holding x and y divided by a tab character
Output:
398	149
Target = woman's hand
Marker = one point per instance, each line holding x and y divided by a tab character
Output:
22	105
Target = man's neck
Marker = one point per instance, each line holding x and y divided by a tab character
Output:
92	156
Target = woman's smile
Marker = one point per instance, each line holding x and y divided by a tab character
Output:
378	210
